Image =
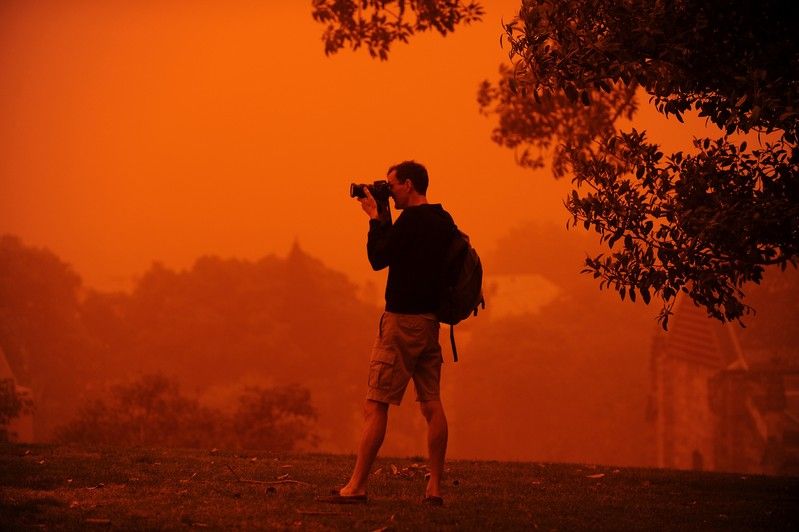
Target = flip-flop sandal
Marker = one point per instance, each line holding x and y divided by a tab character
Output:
433	500
344	499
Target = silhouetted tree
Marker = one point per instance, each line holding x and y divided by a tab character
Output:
532	124
41	331
706	222
703	223
376	24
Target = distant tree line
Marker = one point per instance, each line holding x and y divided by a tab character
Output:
567	382
267	323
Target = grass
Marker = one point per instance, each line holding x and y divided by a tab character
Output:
145	489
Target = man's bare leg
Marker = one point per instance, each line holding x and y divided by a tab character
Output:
375	416
437	433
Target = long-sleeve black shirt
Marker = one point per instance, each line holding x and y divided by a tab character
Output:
413	248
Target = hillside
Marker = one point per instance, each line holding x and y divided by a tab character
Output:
73	488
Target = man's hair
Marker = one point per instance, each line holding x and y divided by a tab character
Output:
414	171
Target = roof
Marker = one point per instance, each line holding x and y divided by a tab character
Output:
696	337
5	368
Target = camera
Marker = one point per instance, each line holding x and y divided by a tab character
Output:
380	190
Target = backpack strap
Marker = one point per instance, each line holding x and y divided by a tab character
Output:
482	304
452	330
452	341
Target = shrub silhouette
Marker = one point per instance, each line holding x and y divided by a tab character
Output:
151	411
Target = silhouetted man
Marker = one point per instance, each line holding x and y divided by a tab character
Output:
407	345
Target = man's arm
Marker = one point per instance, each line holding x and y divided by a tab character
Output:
379	242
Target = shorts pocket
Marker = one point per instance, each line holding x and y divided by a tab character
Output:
412	324
381	369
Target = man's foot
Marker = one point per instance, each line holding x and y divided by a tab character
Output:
433	500
346	492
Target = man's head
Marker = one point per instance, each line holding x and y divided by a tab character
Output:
408	181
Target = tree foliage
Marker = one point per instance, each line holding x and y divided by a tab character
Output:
705	222
376	24
531	123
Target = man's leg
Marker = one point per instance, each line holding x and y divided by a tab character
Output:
433	412
374	430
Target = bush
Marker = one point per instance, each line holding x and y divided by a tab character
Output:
12	405
152	412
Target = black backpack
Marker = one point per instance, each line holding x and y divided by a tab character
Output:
462	290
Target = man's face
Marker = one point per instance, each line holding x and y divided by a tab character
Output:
399	191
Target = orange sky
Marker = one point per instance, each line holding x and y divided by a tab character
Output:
139	131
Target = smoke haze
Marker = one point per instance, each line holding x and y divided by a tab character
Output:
218	141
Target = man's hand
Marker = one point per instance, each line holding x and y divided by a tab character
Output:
369	205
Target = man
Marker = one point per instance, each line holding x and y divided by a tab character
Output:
407	345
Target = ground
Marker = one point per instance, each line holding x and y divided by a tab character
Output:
55	487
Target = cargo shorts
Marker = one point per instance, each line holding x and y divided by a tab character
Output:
406	348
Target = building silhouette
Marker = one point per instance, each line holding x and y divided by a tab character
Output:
715	407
